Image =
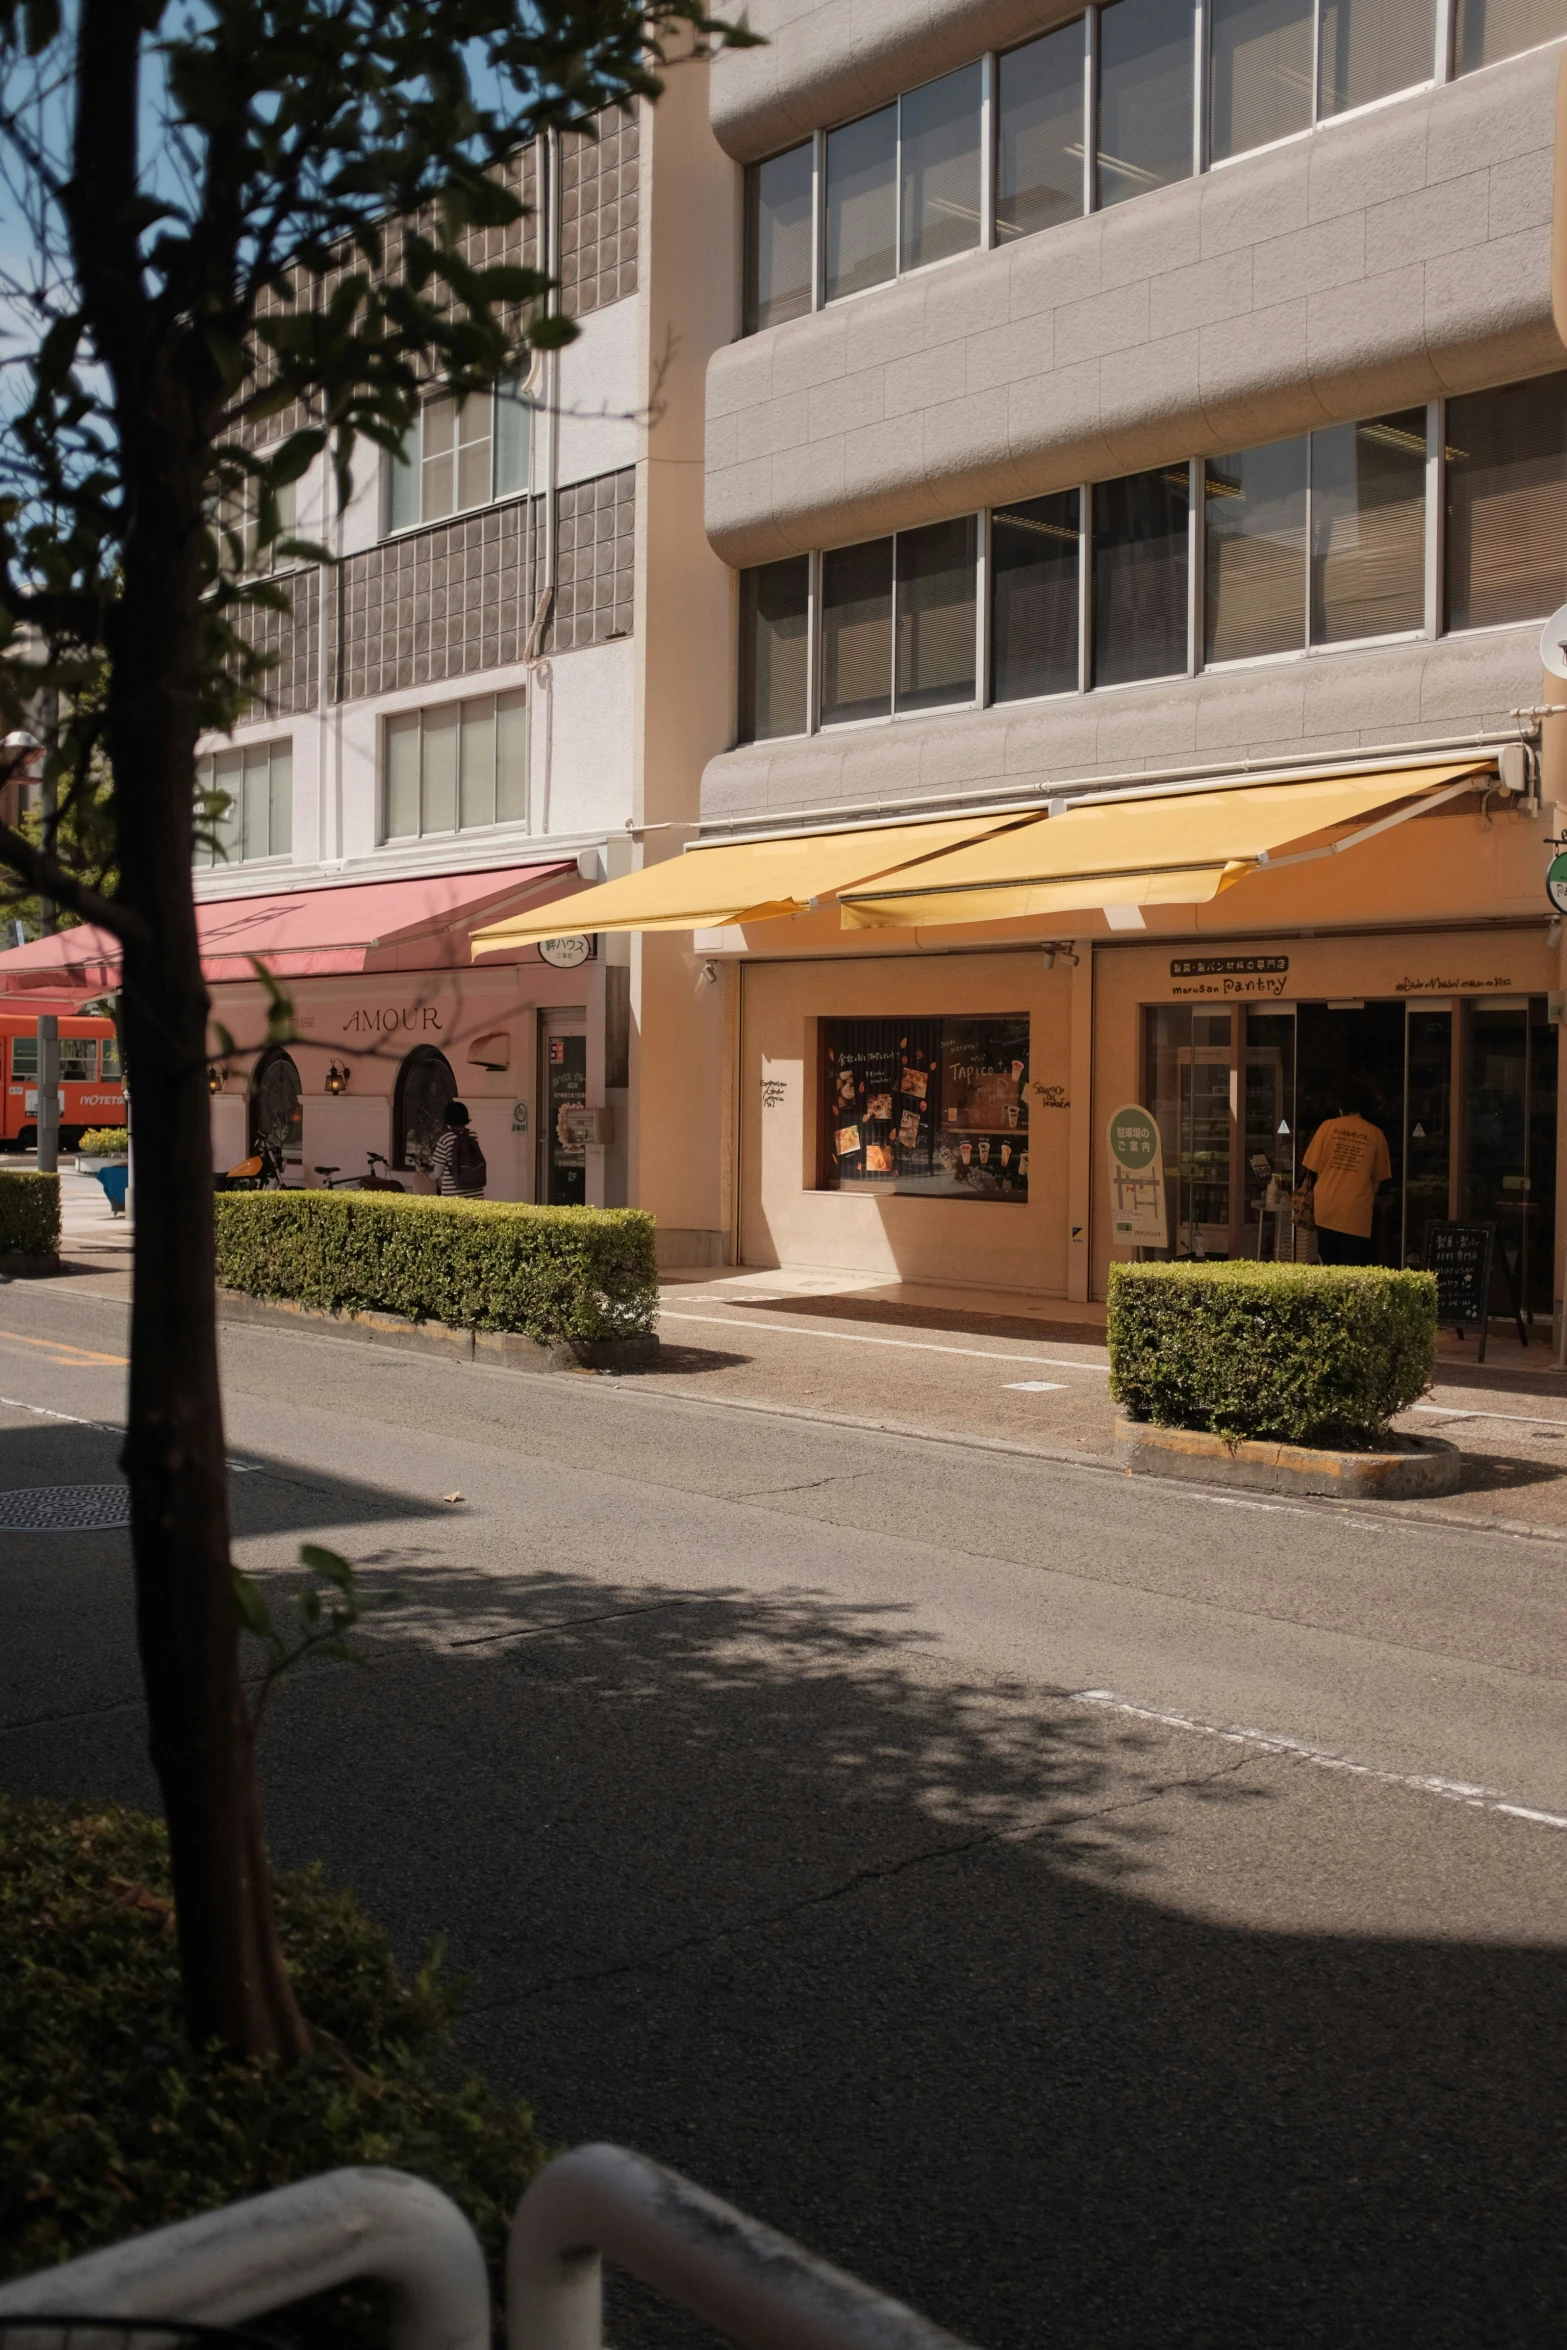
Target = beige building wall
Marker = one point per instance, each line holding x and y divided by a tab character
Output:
684	685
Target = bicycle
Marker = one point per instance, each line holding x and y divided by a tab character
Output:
369	1181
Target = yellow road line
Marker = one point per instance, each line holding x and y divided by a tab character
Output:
62	1350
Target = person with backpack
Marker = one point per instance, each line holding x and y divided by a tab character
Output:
457	1162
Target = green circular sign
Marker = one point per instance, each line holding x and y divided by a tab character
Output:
1556	883
1134	1138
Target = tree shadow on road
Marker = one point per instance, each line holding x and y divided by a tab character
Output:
1061	2028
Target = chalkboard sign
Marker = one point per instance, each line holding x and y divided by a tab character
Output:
1461	1257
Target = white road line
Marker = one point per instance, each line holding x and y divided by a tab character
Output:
922	1346
1035	1386
1520	1419
1297	1750
104	1427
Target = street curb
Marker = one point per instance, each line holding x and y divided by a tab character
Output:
1425	1467
506	1347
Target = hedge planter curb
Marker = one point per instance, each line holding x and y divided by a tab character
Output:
23	1264
1422	1467
508	1348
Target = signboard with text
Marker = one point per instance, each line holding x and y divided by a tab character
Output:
1137	1211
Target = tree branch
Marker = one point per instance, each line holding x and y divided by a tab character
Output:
51	880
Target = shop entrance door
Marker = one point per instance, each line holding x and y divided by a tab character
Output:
563	1085
1464	1092
1508	1167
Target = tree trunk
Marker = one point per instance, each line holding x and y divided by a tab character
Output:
236	1985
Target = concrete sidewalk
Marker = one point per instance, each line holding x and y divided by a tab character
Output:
987	1367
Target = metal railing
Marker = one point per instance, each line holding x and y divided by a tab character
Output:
598	2202
759	2288
250	2257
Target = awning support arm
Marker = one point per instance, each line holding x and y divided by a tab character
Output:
1352	840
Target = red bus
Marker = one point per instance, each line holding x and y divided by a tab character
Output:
92	1089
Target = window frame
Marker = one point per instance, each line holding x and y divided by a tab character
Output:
518	396
1432	627
269	745
450	709
1444	68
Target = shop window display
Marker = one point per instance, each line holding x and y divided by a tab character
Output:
935	1108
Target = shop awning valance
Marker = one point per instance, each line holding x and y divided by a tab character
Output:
1132	851
412	925
741	881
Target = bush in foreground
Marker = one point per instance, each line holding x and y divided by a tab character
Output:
29	1212
110	2123
550	1273
1306	1354
105	1142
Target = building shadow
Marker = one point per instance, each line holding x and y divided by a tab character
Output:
938	1978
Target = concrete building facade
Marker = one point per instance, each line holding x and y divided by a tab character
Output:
486	703
1127	410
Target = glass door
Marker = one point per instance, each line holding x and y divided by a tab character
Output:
1428	1124
563	1087
1192	1094
1268	1143
1510	1144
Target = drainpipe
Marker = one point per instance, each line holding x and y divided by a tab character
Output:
537	668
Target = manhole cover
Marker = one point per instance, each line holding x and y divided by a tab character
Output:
60	1509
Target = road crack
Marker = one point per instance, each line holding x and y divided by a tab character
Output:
858	1881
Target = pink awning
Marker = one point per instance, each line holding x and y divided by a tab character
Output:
364	926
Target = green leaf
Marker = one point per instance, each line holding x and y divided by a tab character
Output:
254	1613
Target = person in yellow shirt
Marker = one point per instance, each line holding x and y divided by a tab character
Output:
1347	1162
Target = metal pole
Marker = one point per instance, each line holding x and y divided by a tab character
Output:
743	2279
259	2255
48	1025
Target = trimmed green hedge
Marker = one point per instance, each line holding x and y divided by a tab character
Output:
110	2123
1309	1354
551	1273
105	1142
29	1213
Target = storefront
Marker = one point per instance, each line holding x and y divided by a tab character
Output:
921	1064
389	1019
1449	1042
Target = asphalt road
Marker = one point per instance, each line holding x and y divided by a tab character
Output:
1097	1913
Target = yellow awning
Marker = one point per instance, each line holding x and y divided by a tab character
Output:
1134	852
742	881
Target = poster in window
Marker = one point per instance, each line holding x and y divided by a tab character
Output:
940	1106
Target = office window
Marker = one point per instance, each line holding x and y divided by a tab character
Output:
1259	73
1507	503
460	454
862	203
1039	133
238	520
857	632
245	804
1489	30
934	571
1147	51
1034	564
938	168
778	225
774	636
1254	511
1371	48
1140	574
1368	528
455	768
